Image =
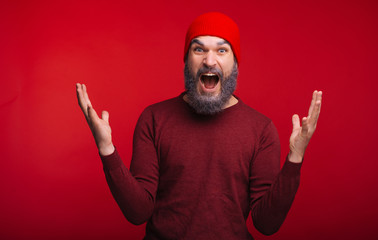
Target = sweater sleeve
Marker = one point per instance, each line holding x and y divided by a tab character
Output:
135	190
272	190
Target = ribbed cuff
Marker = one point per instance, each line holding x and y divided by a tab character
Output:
291	168
111	161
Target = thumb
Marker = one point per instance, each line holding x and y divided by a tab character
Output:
295	121
105	116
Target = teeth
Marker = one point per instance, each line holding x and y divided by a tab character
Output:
209	74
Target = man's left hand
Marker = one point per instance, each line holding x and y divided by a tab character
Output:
301	135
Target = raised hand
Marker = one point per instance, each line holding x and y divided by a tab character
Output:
301	135
99	126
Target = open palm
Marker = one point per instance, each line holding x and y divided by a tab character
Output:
301	135
99	126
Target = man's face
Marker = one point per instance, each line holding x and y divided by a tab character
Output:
210	58
210	74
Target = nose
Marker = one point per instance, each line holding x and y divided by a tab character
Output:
210	59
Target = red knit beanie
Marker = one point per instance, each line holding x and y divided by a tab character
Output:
214	24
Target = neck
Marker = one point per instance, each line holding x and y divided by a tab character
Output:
231	102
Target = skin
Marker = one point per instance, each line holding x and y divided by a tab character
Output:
301	135
100	127
214	52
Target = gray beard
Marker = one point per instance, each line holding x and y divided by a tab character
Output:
207	104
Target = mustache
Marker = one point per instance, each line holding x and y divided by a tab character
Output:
206	69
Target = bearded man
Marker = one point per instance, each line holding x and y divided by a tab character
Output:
204	160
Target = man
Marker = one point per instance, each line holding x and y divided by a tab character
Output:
203	160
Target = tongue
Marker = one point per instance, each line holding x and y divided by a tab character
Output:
209	82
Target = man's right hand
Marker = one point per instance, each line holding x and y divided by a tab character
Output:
100	127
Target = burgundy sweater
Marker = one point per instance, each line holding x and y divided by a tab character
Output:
199	177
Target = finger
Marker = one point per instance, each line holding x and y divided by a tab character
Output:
86	97
304	126
92	114
295	121
319	99
105	116
80	97
316	111
313	101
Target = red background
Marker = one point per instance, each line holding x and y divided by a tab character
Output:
129	53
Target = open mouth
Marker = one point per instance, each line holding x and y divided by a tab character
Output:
209	80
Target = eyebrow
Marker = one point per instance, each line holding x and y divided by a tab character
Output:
202	44
197	41
223	42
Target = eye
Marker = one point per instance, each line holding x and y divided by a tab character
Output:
198	49
222	50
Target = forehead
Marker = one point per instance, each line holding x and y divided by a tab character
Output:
210	41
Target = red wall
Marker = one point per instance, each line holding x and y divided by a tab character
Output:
129	53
